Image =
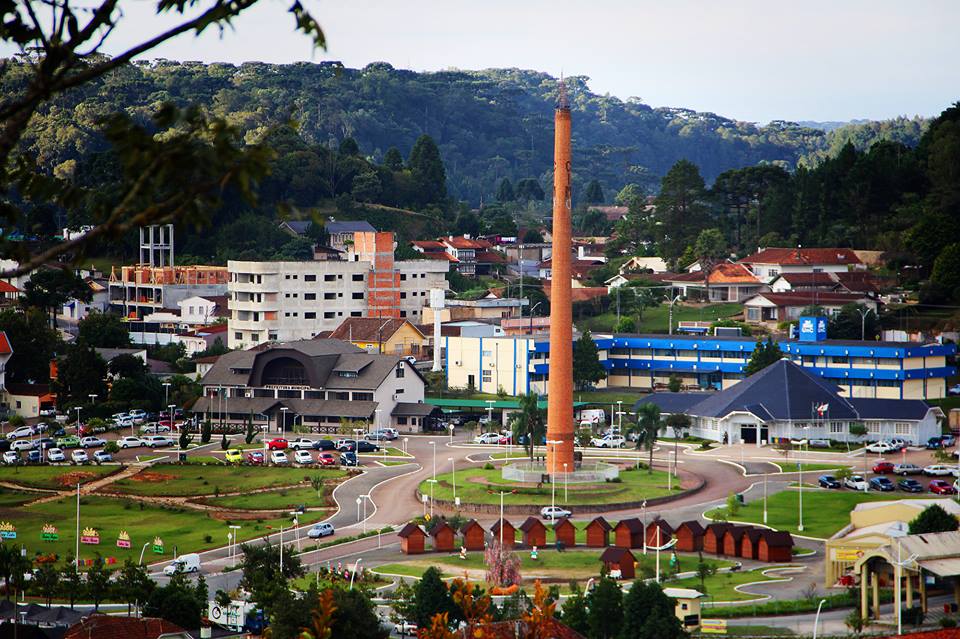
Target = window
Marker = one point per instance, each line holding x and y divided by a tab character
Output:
309	296
487	353
358	277
309	278
398	391
329	296
403	296
329	315
363	397
903	428
357	296
837	428
356	313
874	428
774	272
403	277
401	421
488	376
753	313
238	335
403	313
400	371
309	316
329	278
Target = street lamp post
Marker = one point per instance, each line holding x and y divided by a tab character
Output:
490	403
565	498
78	409
670	320
431	482
453	466
166	396
283	423
364	499
553	484
816	618
236	540
863	322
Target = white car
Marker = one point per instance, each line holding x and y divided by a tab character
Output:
130	442
92	442
405	628
856	482
608	441
881	447
554	512
79	456
487	438
899	443
320	530
23	431
10	457
138	415
155	441
278	457
56	455
300	443
938	470
101	456
22	444
303	457
153	428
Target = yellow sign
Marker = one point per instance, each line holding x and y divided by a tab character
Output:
846	554
7	530
713	626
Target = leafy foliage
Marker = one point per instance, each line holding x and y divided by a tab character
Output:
933	519
587	369
764	354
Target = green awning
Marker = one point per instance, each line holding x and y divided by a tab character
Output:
482	404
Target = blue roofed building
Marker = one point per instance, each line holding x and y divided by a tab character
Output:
787	401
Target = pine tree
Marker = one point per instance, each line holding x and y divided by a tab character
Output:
593	193
764	354
505	191
587	368
428	172
605	605
392	159
933	520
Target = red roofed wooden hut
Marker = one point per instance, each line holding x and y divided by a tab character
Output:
628	533
775	546
534	533
598	533
473	535
565	532
750	544
509	532
689	536
713	538
733	540
412	539
619	559
655	538
443	536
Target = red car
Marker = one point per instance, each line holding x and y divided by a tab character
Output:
326	459
505	439
941	487
277	443
256	457
883	468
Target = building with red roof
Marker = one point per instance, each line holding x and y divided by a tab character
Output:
727	282
101	626
769	263
472	256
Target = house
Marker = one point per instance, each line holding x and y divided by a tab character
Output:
508	534
76	310
768	263
470	256
774	308
643	265
598	533
580	270
296	228
857	282
611	213
474	537
565	532
488	308
727	282
9	294
687	606
203	310
659	533
775	547
103	626
733	540
6	352
412	539
342	232
319	383
443	536
578	293
27	400
534	533
777	403
619	562
374	335
750	544
628	533
713	537
690	536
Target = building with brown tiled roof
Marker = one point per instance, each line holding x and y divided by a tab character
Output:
472	256
728	282
782	307
769	263
102	626
375	335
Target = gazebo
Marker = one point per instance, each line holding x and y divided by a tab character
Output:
659	533
412	539
509	534
534	533
598	533
690	536
620	562
443	536
713	538
565	532
473	535
733	540
628	533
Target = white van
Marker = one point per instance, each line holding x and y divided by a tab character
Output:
185	563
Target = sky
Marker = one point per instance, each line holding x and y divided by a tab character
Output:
754	60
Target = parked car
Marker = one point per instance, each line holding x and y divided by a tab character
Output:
376	436
11	457
899	443
130	442
233	455
303	457
390	432
278	457
300	442
947	440
79	456
522	440
325	444
363	446
881	447
554	512
907	469
818	443
155	428
92	442
70	441
941	487
882	484
255	458
487	438
326	459
910	486
954	390
23	431
828	481
156	441
882	468
346	445
320	530
33	456
56	455
934	443
22	444
277	443
608	441
349	458
137	415
405	628
856	482
102	456
938	470
505	439
184	563
44	443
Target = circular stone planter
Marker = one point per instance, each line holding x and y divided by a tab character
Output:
533	472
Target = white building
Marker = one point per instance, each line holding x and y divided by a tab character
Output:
769	263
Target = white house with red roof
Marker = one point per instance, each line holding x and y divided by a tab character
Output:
728	282
6	352
472	256
769	263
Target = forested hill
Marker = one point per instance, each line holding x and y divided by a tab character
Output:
489	124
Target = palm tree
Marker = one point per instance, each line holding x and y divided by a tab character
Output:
8	557
648	420
530	422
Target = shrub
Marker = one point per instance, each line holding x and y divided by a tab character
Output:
208	539
733	505
948	622
111	447
488	466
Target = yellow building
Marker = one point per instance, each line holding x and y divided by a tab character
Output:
687	606
388	336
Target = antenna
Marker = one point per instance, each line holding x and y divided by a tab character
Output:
563	101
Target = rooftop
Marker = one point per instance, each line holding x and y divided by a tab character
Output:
369	329
803	256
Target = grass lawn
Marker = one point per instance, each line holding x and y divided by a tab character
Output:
171	479
54	477
12	498
186	529
758	631
286	498
607	397
813	468
393	463
824	511
391	452
635	485
655	320
721	586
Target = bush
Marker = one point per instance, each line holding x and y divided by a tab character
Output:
470	426
948	622
16	421
111	447
208	539
488	466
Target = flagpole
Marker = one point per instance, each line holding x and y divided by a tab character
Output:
76	560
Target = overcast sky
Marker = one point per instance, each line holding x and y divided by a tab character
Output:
748	59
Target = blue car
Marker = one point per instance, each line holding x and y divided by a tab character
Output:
33	456
522	440
934	443
882	484
828	481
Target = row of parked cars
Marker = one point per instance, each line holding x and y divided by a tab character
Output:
56	455
279	457
340	445
897	444
884	484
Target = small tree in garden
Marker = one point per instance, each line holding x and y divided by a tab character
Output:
224	442
316	482
206	432
185	438
251	432
503	567
674	384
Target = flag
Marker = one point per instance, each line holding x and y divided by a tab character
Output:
822	408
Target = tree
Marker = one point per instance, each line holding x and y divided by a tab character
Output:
46	581
503	566
628	195
625	325
573	612
933	519
206	431
261	572
431	596
530	422
177	602
392	159
429	175
764	354
103	330
946	271
505	191
587	369
678	423
8	558
71	581
605	606
709	249
50	288
593	193
533	236
34	344
850	324
355	616
126	365
98	583
649	614
674	383
133	584
529	189
251	432
648	420
681	209
180	173
80	374
704	571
